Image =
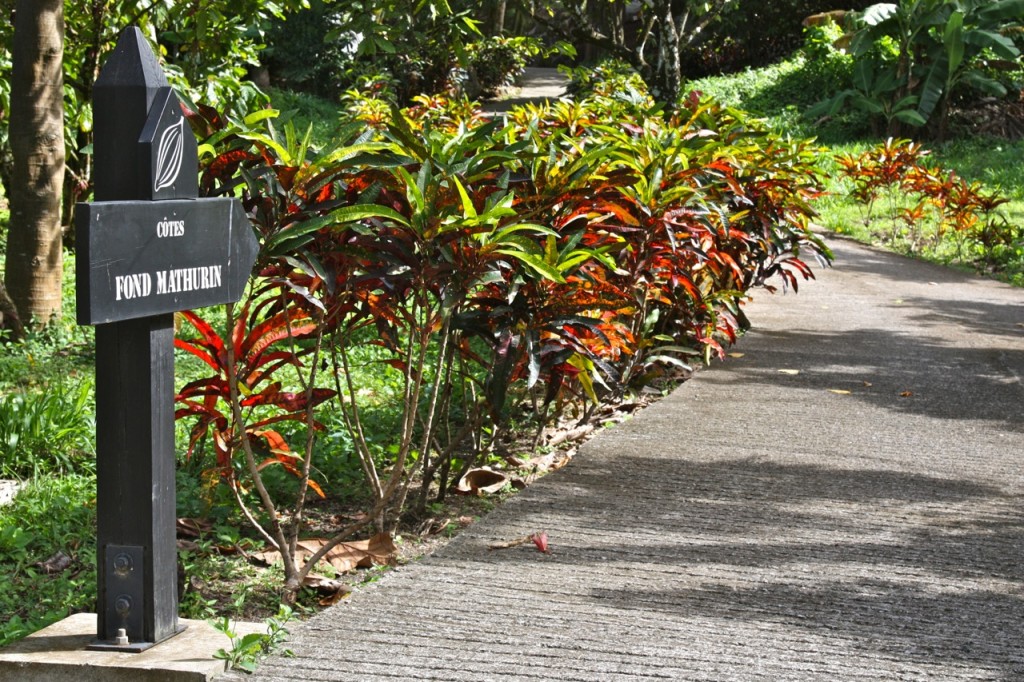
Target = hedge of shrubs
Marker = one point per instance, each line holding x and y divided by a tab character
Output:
502	272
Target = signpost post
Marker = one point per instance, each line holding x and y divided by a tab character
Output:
147	247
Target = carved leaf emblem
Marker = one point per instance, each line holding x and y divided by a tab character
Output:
168	155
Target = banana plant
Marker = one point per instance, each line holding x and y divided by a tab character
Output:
939	45
956	55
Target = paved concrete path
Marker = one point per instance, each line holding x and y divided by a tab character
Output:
536	85
843	502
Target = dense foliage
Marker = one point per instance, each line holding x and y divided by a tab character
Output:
206	51
754	34
420	47
516	270
914	56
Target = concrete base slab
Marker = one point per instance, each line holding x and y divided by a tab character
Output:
57	654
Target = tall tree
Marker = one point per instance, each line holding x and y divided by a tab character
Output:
34	248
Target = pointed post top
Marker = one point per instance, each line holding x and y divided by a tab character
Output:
132	63
125	90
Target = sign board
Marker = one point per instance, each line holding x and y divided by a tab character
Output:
137	259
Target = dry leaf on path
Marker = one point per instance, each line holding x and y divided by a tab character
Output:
515	542
540	540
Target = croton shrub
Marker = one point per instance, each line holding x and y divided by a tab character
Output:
502	272
919	207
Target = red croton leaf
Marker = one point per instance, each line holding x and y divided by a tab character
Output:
281	454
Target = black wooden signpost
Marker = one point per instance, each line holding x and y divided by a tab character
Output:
147	247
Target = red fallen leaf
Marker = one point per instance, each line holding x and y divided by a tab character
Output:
541	540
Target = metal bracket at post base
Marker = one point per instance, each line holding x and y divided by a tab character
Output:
125	584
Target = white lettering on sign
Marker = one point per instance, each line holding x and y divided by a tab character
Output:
170	228
132	286
179	280
188	279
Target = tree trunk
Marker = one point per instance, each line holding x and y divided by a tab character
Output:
34	249
668	71
499	17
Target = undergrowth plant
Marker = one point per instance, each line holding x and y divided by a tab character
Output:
926	205
48	551
49	431
246	651
510	272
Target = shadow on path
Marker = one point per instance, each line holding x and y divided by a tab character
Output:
909	567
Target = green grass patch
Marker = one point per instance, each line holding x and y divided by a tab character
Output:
781	92
305	110
47	554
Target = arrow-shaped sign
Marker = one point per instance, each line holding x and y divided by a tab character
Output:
142	258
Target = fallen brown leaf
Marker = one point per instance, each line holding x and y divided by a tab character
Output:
57	563
345	519
481	481
570	435
906	394
514	542
540	540
334	598
343	557
515	462
333	590
187	545
192	528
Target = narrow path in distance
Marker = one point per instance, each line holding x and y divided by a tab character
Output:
537	84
